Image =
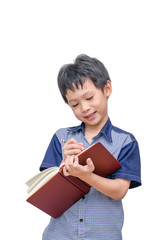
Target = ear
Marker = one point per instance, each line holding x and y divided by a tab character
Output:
108	89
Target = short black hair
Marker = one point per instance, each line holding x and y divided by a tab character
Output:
72	76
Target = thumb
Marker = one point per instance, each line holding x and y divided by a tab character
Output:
90	164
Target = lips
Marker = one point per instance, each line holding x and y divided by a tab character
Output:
90	116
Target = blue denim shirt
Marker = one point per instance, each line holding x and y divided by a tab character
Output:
95	216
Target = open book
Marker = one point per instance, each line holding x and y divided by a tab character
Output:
54	193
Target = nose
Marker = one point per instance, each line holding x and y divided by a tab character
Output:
85	107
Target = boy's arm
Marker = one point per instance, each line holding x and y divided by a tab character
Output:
114	188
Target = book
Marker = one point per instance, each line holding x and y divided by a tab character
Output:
54	193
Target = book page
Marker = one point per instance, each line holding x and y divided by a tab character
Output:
40	179
37	176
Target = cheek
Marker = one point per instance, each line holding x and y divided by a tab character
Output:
101	104
76	112
98	103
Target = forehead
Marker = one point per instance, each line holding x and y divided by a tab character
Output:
87	88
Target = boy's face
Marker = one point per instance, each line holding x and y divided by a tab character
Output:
89	103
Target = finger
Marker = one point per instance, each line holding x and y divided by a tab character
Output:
90	164
71	140
81	143
67	166
77	148
72	152
76	160
71	149
73	146
69	162
65	172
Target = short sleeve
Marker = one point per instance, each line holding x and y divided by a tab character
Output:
129	157
53	156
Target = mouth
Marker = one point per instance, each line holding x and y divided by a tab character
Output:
91	116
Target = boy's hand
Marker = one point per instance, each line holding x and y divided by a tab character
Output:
73	168
71	148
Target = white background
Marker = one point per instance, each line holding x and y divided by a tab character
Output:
37	37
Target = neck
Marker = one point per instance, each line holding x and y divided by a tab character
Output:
92	130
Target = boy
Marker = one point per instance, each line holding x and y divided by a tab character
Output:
86	87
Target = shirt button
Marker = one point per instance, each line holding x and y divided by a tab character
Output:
83	197
81	220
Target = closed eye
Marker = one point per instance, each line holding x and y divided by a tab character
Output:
75	105
90	98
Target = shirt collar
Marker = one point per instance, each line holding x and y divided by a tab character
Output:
106	130
76	128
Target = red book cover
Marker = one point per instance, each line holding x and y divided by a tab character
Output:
59	193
